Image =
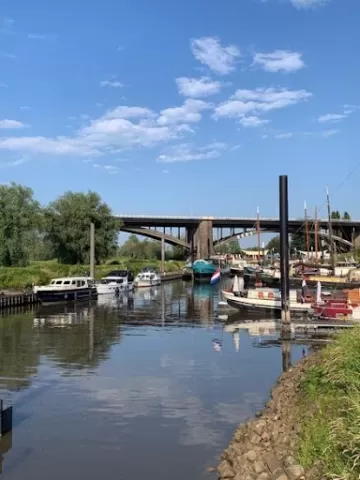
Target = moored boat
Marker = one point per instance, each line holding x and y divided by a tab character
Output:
148	277
66	289
203	269
115	282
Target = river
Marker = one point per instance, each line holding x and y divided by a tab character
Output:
139	387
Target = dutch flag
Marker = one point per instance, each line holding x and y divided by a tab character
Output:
215	277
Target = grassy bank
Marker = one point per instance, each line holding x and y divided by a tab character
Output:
40	273
330	410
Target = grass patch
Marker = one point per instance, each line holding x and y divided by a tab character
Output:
329	410
40	273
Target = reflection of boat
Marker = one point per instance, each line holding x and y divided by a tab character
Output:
61	316
148	277
66	289
115	282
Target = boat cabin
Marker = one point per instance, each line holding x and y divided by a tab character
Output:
71	283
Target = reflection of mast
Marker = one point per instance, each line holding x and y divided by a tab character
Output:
163	305
91	333
236	338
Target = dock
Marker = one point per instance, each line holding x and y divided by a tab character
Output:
169	276
17	300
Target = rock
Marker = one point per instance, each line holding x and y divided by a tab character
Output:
225	471
264	476
265	436
250	455
259	427
294	472
258	414
289	461
254	438
259	466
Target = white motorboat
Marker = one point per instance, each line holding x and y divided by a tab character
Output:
66	289
265	299
115	282
148	277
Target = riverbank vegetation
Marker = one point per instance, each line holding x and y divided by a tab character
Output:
329	410
40	272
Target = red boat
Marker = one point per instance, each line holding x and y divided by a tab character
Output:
337	310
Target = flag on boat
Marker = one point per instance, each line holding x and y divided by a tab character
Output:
216	345
215	276
303	291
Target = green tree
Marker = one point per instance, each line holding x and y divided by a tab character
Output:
67	223
346	216
335	215
274	244
19	221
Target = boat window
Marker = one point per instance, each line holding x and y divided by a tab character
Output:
59	282
52	282
67	282
73	282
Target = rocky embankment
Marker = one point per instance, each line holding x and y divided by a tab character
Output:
264	448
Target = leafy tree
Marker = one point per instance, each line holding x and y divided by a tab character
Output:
274	244
231	247
67	223
20	220
335	215
346	216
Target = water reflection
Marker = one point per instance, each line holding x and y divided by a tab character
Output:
5	446
151	373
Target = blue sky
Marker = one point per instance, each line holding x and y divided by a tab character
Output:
191	107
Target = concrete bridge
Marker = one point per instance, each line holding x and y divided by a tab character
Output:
196	234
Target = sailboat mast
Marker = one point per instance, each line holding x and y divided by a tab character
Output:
316	226
307	231
331	243
258	232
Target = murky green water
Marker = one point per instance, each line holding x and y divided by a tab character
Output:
146	386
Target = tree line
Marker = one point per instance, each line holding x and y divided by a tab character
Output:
59	230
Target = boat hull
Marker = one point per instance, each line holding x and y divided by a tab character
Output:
262	306
147	283
269	281
78	295
108	289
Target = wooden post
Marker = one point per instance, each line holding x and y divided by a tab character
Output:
258	232
162	255
92	250
307	232
316	235
284	253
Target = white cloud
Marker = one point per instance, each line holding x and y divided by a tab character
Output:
209	51
109	169
3	85
279	61
197	87
308	3
188	152
11	124
111	83
331	117
252	121
122	128
349	109
41	36
10	56
260	100
330	133
189	112
284	135
7	26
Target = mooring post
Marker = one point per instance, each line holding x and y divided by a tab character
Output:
5	419
284	254
92	250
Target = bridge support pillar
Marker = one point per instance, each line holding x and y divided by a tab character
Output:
203	239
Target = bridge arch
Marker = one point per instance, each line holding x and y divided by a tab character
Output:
146	232
249	233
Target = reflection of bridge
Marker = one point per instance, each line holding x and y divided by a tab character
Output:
196	234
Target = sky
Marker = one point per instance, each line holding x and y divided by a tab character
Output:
182	108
